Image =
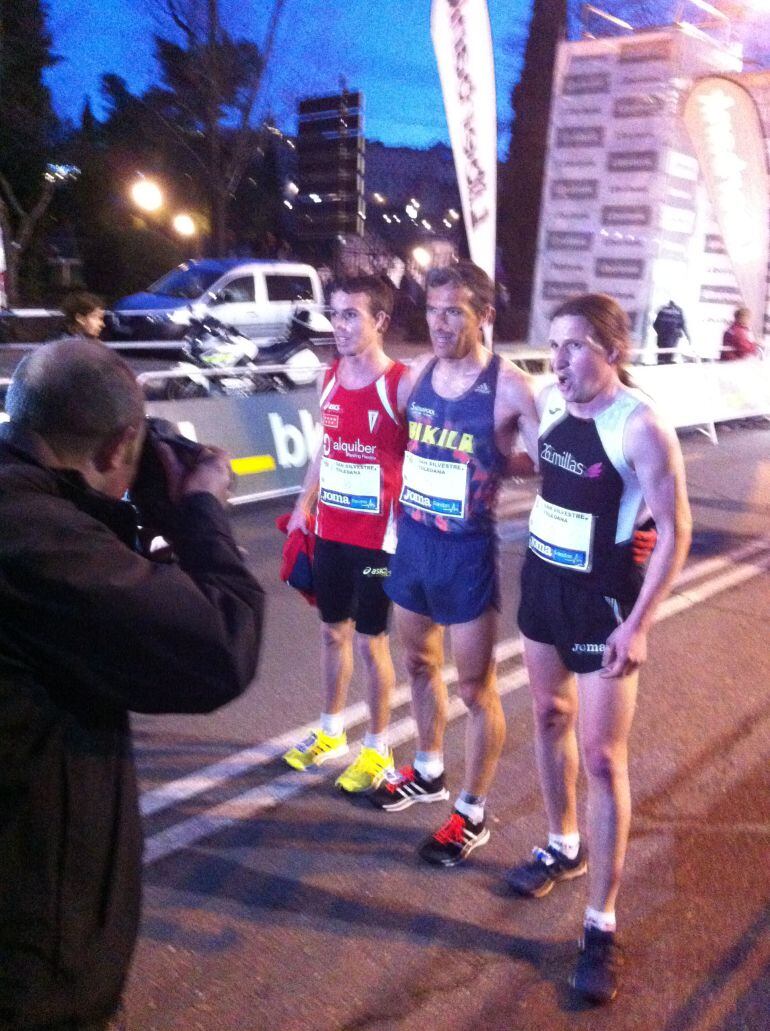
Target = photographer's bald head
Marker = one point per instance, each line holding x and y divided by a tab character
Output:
83	405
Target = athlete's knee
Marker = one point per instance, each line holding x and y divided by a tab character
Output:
605	762
422	664
335	635
479	692
372	648
554	712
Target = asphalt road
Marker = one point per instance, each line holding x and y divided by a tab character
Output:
272	902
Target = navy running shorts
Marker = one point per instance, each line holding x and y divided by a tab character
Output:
556	610
452	578
349	585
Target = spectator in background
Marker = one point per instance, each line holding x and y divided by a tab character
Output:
669	325
739	341
83	315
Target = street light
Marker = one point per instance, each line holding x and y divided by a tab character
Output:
184	225
421	256
146	194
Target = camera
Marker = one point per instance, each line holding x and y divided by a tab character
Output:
149	492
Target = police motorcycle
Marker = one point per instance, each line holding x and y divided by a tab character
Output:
248	367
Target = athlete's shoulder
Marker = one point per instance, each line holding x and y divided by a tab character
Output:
514	386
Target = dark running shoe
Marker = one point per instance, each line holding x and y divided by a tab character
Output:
400	790
453	842
548	865
596	973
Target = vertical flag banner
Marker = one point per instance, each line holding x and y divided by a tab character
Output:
726	132
462	39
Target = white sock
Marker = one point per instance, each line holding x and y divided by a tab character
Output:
379	742
602	921
332	723
567	844
473	810
429	764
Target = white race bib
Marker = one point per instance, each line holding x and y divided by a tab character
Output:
562	537
431	485
355	488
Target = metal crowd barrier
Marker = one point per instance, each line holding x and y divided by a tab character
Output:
273	435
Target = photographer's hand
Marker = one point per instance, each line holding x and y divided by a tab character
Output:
211	474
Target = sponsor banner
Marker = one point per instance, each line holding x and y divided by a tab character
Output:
619	268
271	436
574	189
682	166
719	294
585	82
677	220
560	290
462	41
626	215
725	128
645	105
642	52
566	240
632	161
580	136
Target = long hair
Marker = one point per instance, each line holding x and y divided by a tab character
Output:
609	324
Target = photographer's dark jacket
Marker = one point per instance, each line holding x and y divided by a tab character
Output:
90	630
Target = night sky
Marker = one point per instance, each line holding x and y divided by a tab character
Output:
382	48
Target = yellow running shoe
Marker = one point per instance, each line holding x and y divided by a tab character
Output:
316	749
367	772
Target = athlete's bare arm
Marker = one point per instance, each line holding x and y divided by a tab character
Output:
302	514
515	412
653	451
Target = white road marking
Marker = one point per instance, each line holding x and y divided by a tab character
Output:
283	787
235	765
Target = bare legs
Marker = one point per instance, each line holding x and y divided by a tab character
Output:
606	712
337	670
472	646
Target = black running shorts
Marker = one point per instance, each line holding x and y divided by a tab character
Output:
349	585
559	611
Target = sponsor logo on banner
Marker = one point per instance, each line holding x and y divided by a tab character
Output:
642	106
626	215
462	41
719	294
587	82
567	240
632	161
677	220
724	125
574	189
714	244
555	290
580	136
619	268
636	53
682	166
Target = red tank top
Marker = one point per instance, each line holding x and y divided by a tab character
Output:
363	446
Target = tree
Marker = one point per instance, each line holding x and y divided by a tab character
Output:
521	177
210	85
27	128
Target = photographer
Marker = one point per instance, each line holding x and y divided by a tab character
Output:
89	630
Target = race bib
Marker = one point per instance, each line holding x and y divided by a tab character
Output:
562	537
352	487
433	486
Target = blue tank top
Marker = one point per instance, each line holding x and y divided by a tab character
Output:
452	466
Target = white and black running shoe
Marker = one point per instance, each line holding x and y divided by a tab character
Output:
400	790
